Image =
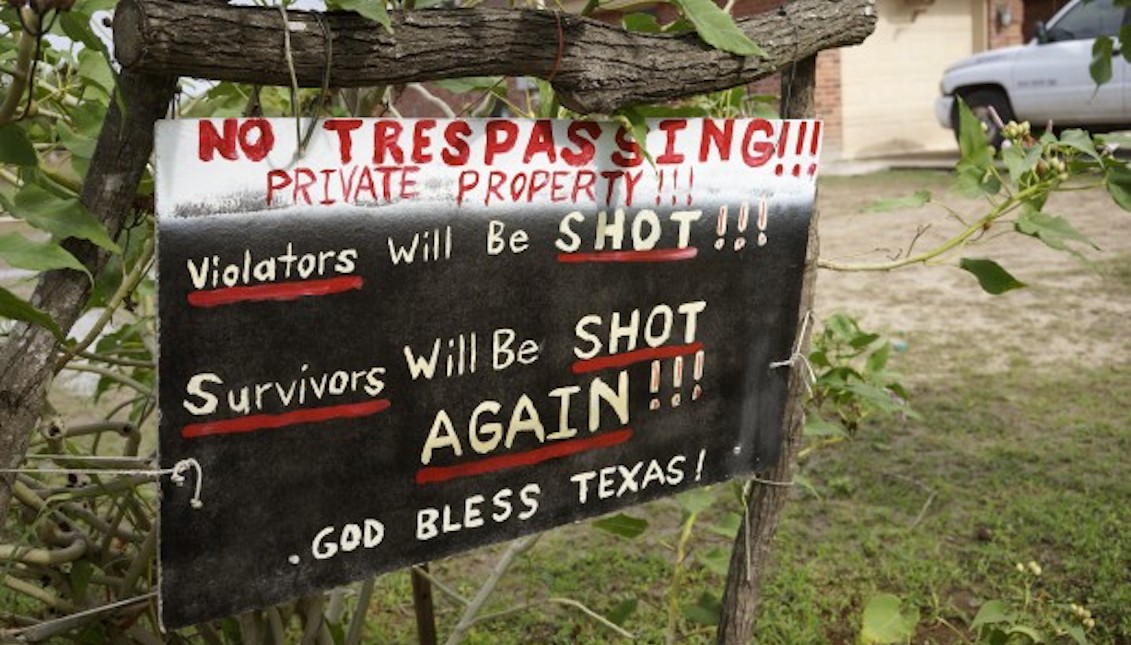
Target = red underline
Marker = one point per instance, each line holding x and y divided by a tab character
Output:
638	356
437	474
654	255
274	291
269	421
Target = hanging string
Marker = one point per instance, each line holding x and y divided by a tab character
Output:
799	357
328	48
176	474
38	34
303	138
289	56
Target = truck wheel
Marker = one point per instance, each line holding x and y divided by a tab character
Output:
981	102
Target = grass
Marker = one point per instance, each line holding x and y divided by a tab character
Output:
1012	461
1017	466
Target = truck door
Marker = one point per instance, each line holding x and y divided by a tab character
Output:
1052	78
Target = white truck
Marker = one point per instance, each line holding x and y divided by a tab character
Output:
1048	78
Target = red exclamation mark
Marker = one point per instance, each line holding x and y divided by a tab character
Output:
660	188
700	358
690	183
743	220
675	183
802	128
654	385
780	169
763	220
814	148
721	228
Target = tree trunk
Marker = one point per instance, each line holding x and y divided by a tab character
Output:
594	67
27	358
751	554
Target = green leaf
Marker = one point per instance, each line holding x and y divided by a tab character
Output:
973	144
716	27
16	308
862	340
916	200
672	111
469	84
625	608
1019	161
1054	231
705	611
62	217
991	276
547	105
1033	635
15	147
23	253
1100	67
642	22
878	359
878	396
992	612
697	500
94	68
78	145
622	525
76	25
371	9
80	574
1117	181
807	484
1080	140
842	325
817	427
726	527
716	559
1125	42
885	622
975	165
1077	634
637	126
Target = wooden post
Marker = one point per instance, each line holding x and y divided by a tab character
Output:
27	357
424	607
765	503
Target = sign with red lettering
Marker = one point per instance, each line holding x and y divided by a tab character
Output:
409	338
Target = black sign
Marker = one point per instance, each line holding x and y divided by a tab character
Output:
420	337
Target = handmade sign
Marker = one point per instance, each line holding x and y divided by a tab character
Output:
408	338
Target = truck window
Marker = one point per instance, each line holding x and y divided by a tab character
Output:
1089	19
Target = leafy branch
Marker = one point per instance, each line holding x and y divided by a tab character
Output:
1016	182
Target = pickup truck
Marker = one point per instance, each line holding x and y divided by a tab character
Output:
1047	79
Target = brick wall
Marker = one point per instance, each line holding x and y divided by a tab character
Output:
827	101
827	92
1011	34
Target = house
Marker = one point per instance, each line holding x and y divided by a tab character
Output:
877	98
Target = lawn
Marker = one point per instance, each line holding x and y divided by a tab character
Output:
1018	455
1007	490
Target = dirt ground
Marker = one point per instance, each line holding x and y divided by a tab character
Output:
1071	312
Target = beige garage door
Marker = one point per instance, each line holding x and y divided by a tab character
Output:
889	84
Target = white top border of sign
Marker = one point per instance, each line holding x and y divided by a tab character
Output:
252	165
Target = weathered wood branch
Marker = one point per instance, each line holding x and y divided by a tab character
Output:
601	67
27	358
